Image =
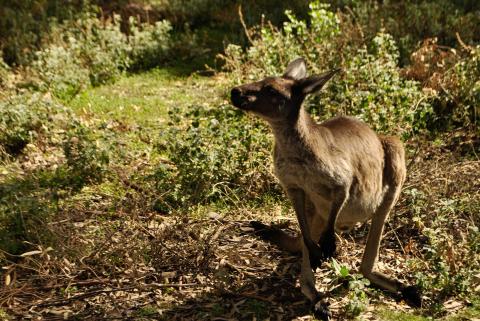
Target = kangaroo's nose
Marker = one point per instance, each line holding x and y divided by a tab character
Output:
236	97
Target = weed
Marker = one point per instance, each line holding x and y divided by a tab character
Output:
357	296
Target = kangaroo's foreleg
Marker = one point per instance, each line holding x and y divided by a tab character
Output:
327	238
310	227
298	198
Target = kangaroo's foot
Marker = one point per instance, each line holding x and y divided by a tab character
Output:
282	239
321	310
412	295
263	230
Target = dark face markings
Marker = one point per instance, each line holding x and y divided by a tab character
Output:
269	98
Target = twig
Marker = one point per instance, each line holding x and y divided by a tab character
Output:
126	289
242	21
460	41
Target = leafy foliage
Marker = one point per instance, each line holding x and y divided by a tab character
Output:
219	156
69	157
92	52
370	87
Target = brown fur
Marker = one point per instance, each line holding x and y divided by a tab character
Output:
336	173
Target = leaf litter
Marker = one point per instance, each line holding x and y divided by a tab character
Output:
147	266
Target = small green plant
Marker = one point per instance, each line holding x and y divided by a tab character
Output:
357	297
4	315
448	257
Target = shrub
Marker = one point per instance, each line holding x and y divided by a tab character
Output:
149	43
90	51
4	71
370	87
218	155
452	75
24	120
459	100
85	52
30	198
60	72
410	22
24	23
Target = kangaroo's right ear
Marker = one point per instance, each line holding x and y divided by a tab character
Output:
296	69
314	83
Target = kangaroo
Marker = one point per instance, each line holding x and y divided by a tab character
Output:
336	174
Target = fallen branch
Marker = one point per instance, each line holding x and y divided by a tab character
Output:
125	289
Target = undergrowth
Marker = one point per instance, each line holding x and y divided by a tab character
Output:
89	194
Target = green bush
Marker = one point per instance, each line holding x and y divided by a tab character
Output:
150	44
458	102
218	156
4	71
370	86
25	23
85	52
91	52
412	21
30	198
25	120
372	89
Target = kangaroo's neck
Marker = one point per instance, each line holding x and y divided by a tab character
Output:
294	133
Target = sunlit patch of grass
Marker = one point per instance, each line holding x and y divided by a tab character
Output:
144	99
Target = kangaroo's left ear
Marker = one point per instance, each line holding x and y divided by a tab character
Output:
315	83
296	69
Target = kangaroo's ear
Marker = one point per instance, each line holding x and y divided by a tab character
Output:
296	69
315	83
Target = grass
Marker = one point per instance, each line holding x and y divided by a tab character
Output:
144	99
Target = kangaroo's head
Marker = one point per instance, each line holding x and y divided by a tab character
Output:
280	98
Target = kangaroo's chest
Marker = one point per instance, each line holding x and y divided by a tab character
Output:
304	173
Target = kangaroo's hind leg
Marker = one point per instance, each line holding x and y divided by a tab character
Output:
394	177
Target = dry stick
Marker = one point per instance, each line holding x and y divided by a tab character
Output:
464	46
247	33
128	288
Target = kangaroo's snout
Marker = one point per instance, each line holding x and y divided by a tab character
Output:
236	97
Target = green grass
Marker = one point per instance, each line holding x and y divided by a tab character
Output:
144	99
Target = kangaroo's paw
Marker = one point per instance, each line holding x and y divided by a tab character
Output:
321	310
412	295
315	255
328	245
